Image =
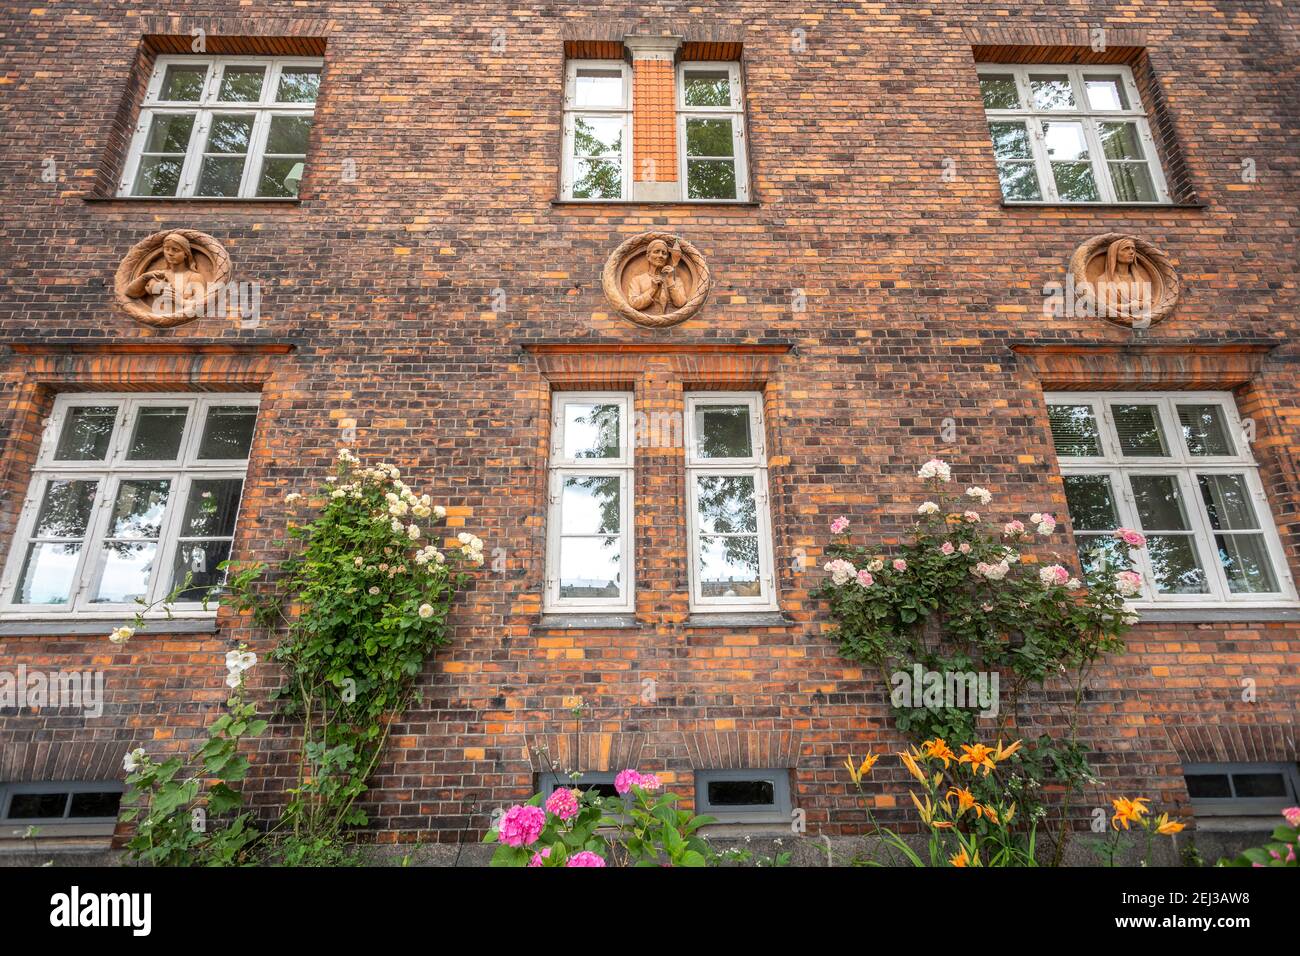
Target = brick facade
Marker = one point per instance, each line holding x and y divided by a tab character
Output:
869	297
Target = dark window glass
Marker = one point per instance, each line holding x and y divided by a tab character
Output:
1208	786
37	806
95	804
1259	784
228	432
742	793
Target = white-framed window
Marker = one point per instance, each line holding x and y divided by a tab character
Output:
711	131
1178	468
130	493
223	127
727	503
589	528
597	130
1073	134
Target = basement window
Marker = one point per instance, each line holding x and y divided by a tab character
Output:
1242	789
601	781
59	808
743	796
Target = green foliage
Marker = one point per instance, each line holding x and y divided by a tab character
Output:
1281	850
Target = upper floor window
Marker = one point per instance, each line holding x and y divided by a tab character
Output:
727	511
1075	134
1175	467
130	495
223	127
711	131
597	129
589	545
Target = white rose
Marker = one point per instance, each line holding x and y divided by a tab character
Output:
928	508
413	531
439	512
426	611
121	635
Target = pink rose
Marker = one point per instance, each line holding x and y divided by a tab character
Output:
538	858
1013	529
522	825
625	781
972	516
839	525
1292	815
900	564
865	579
964	548
563	803
586	858
1132	538
1129	583
1053	574
947	547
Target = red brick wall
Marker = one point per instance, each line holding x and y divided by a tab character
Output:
915	287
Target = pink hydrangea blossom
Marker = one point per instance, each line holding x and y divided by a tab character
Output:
563	803
586	858
1292	815
539	858
1132	538
839	525
947	548
522	825
900	564
626	780
865	579
649	781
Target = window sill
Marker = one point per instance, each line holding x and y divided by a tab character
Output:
569	621
656	202
59	627
1127	206
1214	615
732	619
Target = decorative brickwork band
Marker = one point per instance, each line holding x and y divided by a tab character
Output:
735	749
586	752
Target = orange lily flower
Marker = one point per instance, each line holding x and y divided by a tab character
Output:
858	772
977	756
960	858
1167	827
1127	811
965	799
1003	753
939	750
910	763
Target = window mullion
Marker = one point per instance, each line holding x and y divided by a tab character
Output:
1100	168
194	155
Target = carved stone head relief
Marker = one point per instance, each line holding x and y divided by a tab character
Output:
656	279
171	278
1129	280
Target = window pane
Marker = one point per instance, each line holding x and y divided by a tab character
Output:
708	88
169	133
729	567
158	176
183	83
1091	502
591	505
1119	140
1159	505
726	504
212	507
275	178
139	509
1212	786
999	92
227	432
1139	431
1010	141
127	569
86	433
598	179
723	431
598	136
157	434
709	137
598	87
200	560
1205	430
1176	564
229	134
90	804
1074	182
220	176
1246	563
1052	92
47	574
1259	785
288	134
1074	431
742	793
241	84
589	567
65	511
1132	182
1019	181
37	806
1098	551
298	84
710	179
1227	502
1106	93
591	430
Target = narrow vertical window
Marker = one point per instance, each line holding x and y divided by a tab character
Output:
711	131
597	124
589	547
726	484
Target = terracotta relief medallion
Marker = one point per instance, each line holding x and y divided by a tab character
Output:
656	279
1129	280
172	277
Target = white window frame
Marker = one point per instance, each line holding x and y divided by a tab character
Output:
572	111
1089	118
204	109
734	112
110	472
755	466
560	468
1184	467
